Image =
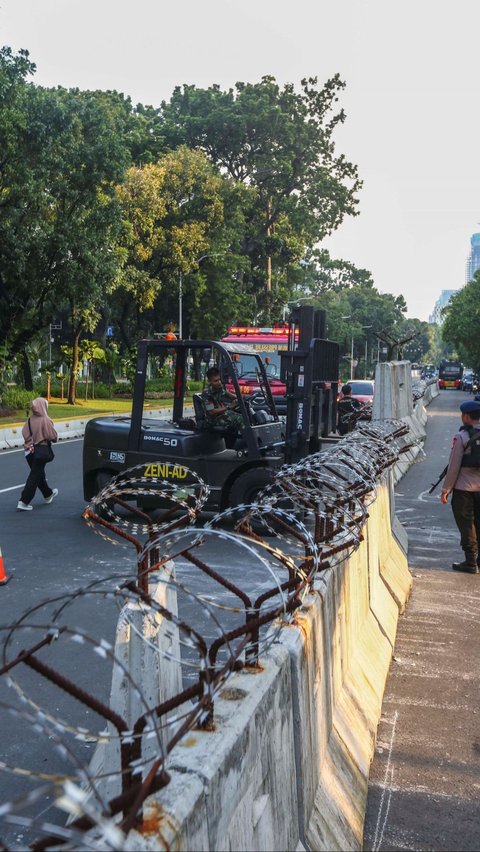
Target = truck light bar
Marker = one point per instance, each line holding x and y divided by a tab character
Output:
245	330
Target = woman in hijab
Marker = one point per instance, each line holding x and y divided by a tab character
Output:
38	432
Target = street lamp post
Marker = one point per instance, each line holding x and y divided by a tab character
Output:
352	365
366	351
180	308
294	302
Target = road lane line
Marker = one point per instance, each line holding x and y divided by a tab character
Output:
60	443
12	488
387	788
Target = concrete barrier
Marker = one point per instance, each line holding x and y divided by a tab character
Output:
287	764
393	399
11	436
146	673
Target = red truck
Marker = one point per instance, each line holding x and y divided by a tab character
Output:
267	342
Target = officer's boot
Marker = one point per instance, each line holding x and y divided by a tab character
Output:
469	565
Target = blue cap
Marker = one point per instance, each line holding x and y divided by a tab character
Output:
470	406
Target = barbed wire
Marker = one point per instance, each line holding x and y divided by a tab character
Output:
187	617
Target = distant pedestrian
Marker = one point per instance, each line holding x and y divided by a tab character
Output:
38	435
347	408
462	480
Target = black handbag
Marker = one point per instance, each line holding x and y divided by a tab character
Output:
42	452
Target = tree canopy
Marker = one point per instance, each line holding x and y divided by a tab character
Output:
212	205
59	216
279	142
462	322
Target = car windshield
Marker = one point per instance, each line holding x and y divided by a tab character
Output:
246	365
364	388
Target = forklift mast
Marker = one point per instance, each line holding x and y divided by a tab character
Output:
310	369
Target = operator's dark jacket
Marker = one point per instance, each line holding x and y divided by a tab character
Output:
346	408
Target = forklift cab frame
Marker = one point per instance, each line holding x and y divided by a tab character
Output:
258	437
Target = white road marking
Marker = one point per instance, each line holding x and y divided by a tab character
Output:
386	792
58	444
12	488
422	547
434	532
426	558
426	497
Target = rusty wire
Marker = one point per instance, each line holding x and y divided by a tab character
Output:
419	386
331	510
202	618
175	503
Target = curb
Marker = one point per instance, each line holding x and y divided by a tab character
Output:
11	436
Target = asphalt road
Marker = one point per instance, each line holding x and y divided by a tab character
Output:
47	553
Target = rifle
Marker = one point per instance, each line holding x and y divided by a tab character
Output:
442	476
444	471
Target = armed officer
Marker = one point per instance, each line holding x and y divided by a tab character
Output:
347	408
463	481
219	403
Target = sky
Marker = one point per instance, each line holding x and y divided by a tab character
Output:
411	99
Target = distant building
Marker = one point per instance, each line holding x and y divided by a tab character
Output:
473	259
442	301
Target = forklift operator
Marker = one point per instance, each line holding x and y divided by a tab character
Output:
219	403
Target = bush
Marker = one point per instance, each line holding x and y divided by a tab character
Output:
55	388
158	385
101	390
17	398
158	394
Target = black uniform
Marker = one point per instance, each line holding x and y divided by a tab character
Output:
347	408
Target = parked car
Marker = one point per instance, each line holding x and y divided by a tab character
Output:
468	381
361	390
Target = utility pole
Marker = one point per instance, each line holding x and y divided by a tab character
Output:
180	308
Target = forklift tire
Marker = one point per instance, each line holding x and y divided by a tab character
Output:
102	478
249	484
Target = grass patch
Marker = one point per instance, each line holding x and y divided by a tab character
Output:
59	410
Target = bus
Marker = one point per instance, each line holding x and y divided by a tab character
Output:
450	375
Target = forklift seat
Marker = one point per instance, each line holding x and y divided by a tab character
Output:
260	416
199	411
202	420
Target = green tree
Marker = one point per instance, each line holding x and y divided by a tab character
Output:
323	272
417	349
462	322
356	315
174	232
279	143
61	217
15	186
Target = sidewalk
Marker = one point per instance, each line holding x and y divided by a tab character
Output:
424	788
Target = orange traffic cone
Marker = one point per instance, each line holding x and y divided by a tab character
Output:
3	577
